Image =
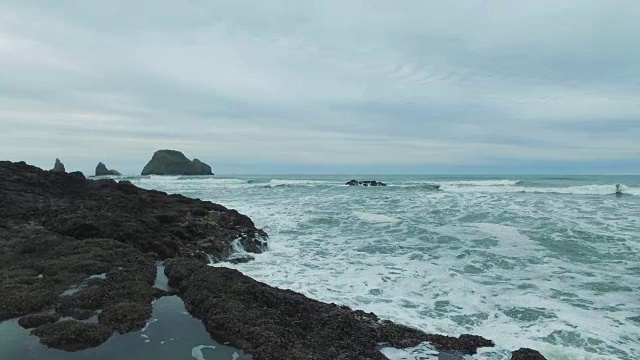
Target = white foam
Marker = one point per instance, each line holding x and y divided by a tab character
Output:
421	352
575	190
480	183
375	218
463	260
197	354
296	182
148	324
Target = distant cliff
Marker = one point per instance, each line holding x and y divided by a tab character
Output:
172	162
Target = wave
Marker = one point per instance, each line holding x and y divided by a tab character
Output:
375	218
481	183
453	186
569	190
288	183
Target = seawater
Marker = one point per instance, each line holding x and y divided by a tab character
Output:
550	263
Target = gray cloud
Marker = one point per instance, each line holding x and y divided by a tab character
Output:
361	83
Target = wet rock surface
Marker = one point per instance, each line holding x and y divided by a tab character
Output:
527	354
88	249
365	183
271	323
71	335
35	320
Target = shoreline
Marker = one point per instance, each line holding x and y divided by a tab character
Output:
123	231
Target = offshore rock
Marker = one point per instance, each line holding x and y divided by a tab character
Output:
101	170
172	162
365	183
58	167
271	323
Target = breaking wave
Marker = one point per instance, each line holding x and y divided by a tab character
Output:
460	186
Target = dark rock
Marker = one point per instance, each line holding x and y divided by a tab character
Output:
171	162
526	354
101	170
71	335
35	320
466	344
365	183
80	246
240	259
126	316
151	221
58	167
77	174
274	324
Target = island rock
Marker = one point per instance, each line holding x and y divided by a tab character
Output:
101	170
58	167
172	162
365	183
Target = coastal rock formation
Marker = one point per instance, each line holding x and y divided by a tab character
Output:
101	170
36	320
171	162
271	323
78	264
80	248
58	167
526	354
365	183
71	335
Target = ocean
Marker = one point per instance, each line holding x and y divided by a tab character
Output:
546	262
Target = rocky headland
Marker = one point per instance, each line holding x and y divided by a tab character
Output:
78	263
102	170
172	162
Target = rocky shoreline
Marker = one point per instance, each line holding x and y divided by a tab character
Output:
78	264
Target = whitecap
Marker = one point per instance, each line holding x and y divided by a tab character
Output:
197	354
376	218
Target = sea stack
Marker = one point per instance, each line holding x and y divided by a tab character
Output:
101	170
172	162
58	167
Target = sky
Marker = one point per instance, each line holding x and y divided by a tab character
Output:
407	86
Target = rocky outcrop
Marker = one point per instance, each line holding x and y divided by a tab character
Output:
83	249
58	167
171	162
526	354
101	170
36	320
365	183
272	324
71	335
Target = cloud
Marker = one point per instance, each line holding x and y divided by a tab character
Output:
362	83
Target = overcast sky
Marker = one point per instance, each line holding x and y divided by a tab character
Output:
324	86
